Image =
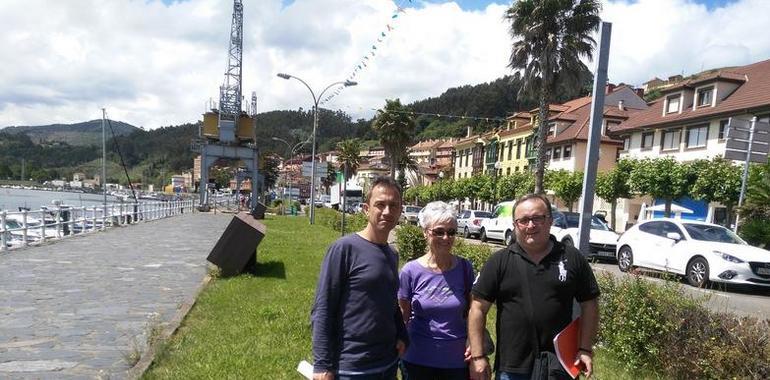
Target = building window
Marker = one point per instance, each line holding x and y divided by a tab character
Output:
673	104
671	139
548	154
626	143
705	96
518	149
696	136
510	150
567	151
617	154
648	139
508	171
552	128
723	129
557	153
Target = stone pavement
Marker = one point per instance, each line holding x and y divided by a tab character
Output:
81	307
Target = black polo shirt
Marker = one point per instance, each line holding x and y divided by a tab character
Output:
563	275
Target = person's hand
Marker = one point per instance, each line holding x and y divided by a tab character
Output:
467	356
584	361
323	376
479	369
400	347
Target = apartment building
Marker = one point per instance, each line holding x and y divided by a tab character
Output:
689	121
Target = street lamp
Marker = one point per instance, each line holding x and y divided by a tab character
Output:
346	83
291	151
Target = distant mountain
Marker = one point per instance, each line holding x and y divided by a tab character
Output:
78	134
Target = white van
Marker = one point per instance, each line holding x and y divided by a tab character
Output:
500	225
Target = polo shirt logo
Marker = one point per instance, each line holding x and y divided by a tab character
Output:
562	271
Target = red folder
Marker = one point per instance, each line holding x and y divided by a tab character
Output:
565	343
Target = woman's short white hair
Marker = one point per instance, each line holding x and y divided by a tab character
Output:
436	212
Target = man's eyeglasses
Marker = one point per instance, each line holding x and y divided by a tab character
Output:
441	232
537	220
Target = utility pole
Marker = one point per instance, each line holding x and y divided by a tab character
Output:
104	159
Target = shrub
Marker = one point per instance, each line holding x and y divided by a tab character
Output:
477	254
656	327
333	219
756	232
410	242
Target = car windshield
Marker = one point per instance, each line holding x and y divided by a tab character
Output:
573	221
707	232
483	214
414	209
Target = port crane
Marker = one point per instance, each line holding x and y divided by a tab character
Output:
227	130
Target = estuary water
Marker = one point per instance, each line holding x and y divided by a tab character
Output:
12	199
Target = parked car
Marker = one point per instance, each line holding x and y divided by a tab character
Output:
702	252
469	222
602	241
409	214
500	225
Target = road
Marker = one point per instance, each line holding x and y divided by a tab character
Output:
740	300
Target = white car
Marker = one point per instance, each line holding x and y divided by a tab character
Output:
701	252
409	214
602	241
500	225
469	222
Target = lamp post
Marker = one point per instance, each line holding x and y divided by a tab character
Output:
291	151
346	83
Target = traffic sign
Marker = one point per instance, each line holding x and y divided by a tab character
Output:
740	137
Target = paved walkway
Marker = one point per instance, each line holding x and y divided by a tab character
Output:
80	307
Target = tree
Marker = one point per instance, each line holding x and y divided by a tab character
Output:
661	178
551	37
515	185
395	129
568	186
349	159
718	180
269	169
613	185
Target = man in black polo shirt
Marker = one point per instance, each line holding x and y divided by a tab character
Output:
556	275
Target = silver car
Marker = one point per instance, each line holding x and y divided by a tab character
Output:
469	222
409	214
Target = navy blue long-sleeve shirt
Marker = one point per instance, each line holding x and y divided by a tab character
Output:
356	320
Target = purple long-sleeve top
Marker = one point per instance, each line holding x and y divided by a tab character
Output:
356	320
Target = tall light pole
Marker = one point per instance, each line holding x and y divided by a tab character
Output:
346	83
291	151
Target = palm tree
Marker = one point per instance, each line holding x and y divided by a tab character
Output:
550	38
396	128
349	158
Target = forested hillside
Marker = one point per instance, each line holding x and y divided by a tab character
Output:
56	151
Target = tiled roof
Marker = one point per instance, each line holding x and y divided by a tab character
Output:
754	93
579	129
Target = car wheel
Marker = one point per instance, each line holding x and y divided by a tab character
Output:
466	233
698	272
625	259
508	238
568	242
483	235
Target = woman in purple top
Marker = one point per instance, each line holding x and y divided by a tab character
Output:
433	296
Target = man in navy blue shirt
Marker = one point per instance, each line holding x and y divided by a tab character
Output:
358	331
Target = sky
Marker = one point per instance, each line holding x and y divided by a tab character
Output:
155	63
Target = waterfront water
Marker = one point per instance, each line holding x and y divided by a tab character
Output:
12	199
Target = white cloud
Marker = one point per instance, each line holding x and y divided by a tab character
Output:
154	65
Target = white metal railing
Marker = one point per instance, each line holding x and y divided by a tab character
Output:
23	228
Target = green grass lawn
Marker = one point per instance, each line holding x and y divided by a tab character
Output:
259	326
253	326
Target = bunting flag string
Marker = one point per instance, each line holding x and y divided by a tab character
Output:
480	118
368	57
